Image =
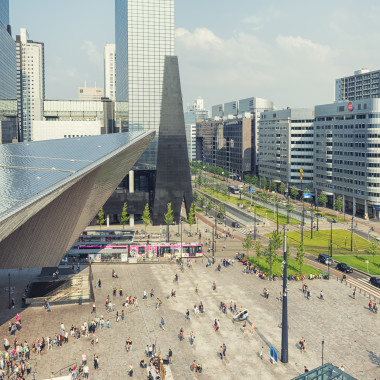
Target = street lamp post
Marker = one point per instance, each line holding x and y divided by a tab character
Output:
277	215
352	231
167	223
181	234
323	343
284	337
254	226
9	290
331	241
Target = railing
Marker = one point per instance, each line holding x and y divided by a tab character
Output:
67	369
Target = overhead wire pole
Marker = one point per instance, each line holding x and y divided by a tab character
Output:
303	205
284	335
254	225
352	231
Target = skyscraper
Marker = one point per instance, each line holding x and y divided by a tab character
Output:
144	36
109	71
30	82
8	83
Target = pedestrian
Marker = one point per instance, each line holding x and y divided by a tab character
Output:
170	356
194	365
162	325
95	362
221	352
117	316
353	293
144	295
342	368
93	308
188	314
130	371
252	327
86	371
192	338
108	323
181	334
261	352
370	305
224	349
321	295
306	370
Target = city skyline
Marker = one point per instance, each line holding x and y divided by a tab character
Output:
291	55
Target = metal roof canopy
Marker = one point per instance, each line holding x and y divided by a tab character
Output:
325	372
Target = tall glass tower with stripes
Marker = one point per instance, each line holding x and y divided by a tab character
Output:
144	31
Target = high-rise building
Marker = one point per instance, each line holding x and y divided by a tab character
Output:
346	155
364	84
286	142
90	93
110	71
8	83
144	36
30	82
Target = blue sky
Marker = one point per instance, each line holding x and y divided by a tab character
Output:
287	51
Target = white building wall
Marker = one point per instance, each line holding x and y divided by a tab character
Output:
110	71
51	130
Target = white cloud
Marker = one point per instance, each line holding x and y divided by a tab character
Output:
299	45
92	52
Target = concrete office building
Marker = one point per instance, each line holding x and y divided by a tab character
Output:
364	84
110	71
90	93
8	80
194	113
346	154
52	130
30	82
286	144
217	111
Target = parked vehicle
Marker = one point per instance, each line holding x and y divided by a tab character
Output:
344	268
325	259
375	281
235	225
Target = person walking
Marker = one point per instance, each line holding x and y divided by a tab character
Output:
162	324
321	295
86	371
95	362
224	350
221	352
262	352
170	356
353	293
192	338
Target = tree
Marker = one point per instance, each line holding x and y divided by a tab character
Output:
248	243
195	196
289	208
218	188
254	180
146	216
338	204
373	249
221	208
199	180
247	179
191	216
270	253
169	218
263	183
300	256
282	188
258	248
124	215
202	201
100	219
209	206
294	192
272	186
263	196
276	238
225	192
322	199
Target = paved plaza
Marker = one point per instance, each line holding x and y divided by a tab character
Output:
350	331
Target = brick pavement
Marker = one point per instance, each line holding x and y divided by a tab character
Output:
350	331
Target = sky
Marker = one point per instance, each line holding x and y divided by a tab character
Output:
290	52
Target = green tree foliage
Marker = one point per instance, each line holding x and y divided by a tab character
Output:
300	257
255	180
202	202
270	253
322	199
258	248
221	209
169	218
195	196
289	208
276	238
272	186
263	183
282	188
247	179
146	216
200	180
294	192
210	205
191	216
248	243
124	215
373	249
338	204
100	219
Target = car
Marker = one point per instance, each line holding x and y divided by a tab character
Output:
344	268
325	259
375	281
220	215
318	215
235	225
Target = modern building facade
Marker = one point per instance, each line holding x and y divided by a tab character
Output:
110	71
193	114
346	154
8	82
90	93
60	129
51	190
286	144
364	84
30	82
144	36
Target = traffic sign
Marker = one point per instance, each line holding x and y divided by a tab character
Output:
306	195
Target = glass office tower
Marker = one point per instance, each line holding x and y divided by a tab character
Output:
144	36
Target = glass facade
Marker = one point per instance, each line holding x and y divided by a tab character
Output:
7	56
144	36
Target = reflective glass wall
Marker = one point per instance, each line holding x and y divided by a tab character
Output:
144	36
